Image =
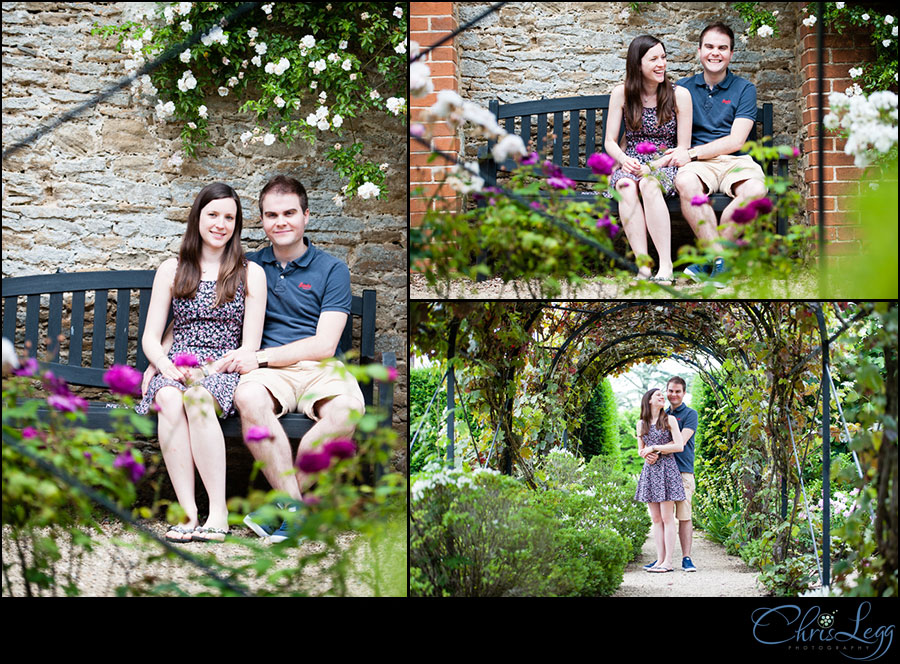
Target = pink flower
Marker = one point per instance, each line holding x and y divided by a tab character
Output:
29	432
536	205
796	152
645	147
392	374
744	215
607	223
313	462
186	360
417	130
340	449
129	463
122	379
67	403
561	182
257	434
601	163
29	368
530	160
762	205
700	199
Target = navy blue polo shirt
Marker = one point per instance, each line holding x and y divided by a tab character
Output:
687	417
716	109
300	291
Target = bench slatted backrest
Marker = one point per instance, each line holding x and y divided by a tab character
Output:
572	154
124	282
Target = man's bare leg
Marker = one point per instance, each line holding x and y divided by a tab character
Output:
256	407
701	218
745	190
334	424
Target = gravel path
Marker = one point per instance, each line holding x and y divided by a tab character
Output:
125	557
718	574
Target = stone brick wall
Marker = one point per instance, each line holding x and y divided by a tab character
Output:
529	50
97	193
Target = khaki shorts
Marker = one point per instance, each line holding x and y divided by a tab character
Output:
683	507
723	172
299	387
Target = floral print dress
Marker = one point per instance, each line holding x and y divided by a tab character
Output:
660	481
206	332
663	138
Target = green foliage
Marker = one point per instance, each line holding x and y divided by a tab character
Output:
861	17
301	68
599	431
631	460
422	385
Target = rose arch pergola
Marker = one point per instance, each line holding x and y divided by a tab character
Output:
779	352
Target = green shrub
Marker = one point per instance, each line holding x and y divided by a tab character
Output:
422	385
560	468
591	562
614	497
599	431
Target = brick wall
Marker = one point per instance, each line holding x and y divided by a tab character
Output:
429	22
842	180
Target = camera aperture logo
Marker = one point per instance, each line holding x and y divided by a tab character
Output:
843	630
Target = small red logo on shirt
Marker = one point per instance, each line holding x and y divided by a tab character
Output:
726	101
304	286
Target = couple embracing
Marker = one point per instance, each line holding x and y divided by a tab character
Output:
682	138
666	443
249	333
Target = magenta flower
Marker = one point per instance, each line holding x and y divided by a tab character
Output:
645	147
56	385
608	224
311	500
392	374
416	129
796	152
700	199
561	182
313	462
123	379
536	205
186	360
601	163
130	464
530	160
744	215
340	449
257	434
67	403
762	205
29	432
29	368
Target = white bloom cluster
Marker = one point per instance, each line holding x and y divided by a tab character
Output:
215	36
765	31
465	179
398	12
186	26
396	105
164	111
870	123
420	84
185	56
308	41
318	66
435	476
346	65
268	139
279	68
368	190
400	48
201	110
809	21
187	81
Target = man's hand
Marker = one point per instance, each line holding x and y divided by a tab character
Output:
677	157
238	361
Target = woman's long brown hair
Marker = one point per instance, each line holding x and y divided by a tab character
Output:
663	419
665	93
232	271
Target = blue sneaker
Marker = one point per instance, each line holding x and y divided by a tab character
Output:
287	530
649	565
698	272
718	268
262	526
687	565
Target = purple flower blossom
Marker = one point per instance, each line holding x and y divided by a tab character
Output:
311	500
123	379
56	385
340	449
186	360
67	403
645	147
536	205
744	215
561	182
700	199
762	205
530	160
608	224
29	432
313	462
129	463
392	374
796	152
257	434
417	129
601	163
29	368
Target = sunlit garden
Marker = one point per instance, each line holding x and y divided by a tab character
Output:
524	460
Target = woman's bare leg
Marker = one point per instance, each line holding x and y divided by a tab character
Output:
631	214
175	443
659	224
208	447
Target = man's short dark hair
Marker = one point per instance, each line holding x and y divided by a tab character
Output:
679	380
718	26
284	184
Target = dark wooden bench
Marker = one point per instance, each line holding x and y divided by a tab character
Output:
573	136
130	317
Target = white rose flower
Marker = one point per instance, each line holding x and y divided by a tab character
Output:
257	60
223	92
337	121
342	44
765	31
333	57
420	84
279	102
400	48
169	15
395	104
323	125
886	43
202	111
855	71
268	8
887	19
308	41
368	190
192	125
226	61
232	81
374	94
252	33
338	200
184	8
185	26
185	56
865	17
346	65
384	167
840	5
809	21
261	48
246	136
268	139
398	12
321	112
508	146
311	119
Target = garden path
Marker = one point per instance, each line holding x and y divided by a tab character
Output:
718	574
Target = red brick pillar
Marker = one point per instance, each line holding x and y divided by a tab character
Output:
842	179
430	22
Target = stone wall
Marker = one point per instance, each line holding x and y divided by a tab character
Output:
98	193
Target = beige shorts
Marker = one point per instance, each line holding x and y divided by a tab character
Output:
683	507
721	173
299	387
